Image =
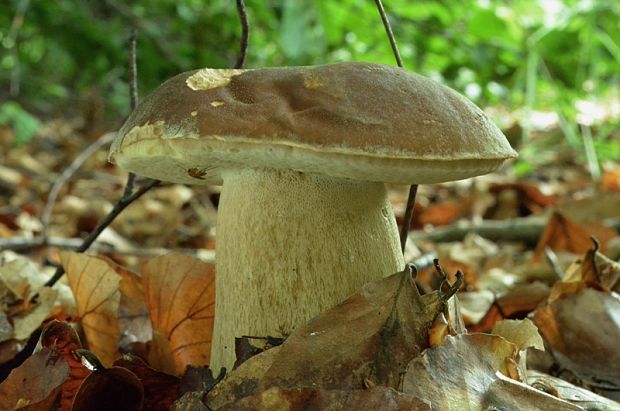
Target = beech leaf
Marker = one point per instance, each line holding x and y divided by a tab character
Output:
180	295
95	285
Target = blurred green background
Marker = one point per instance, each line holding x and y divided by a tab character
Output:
531	63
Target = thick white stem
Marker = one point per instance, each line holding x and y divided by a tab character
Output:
291	245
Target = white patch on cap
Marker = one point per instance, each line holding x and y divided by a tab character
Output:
206	79
217	103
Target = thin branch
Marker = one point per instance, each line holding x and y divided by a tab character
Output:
26	244
245	34
129	196
65	176
413	189
404	231
388	30
133	70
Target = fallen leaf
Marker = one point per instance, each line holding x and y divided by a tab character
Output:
301	399
562	233
516	303
114	388
508	394
180	295
26	323
582	329
160	390
369	337
569	392
95	285
468	371
443	213
60	336
610	180
522	333
38	378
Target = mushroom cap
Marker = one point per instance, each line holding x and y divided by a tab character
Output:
360	121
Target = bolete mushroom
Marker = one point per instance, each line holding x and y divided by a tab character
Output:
303	154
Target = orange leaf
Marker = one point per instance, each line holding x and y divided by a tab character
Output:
63	338
180	295
95	285
564	234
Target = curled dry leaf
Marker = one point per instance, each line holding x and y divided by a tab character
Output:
95	285
438	331
300	399
522	299
37	380
569	392
160	389
468	372
562	233
114	388
582	329
370	337
62	337
522	333
180	295
25	324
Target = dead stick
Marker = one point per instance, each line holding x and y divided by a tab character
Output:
245	34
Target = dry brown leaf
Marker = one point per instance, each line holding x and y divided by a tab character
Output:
596	270
582	328
301	399
569	392
522	333
95	285
64	340
25	324
562	233
369	337
518	302
180	295
160	390
38	378
444	213
466	371
114	388
133	314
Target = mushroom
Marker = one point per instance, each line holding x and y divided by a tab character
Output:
303	154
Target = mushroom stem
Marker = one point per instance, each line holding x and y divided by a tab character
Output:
291	245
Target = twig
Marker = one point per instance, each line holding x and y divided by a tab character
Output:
128	196
23	244
245	34
65	176
413	189
390	34
404	230
133	70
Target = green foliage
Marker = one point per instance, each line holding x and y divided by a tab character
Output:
24	124
531	54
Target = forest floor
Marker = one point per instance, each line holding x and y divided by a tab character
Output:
541	248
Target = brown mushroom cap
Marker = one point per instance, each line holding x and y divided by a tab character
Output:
361	121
